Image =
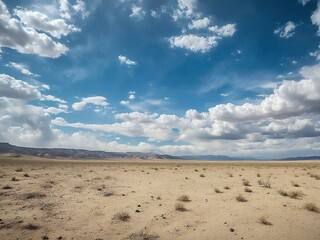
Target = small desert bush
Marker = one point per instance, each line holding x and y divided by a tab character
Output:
202	175
240	198
108	193
184	198
7	187
291	194
217	190
31	226
227	187
142	236
14	179
19	170
265	183
230	175
247	189
258	175
295	184
26	175
121	216
245	182
180	207
33	195
312	207
264	220
316	176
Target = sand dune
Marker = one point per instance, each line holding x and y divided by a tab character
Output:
67	199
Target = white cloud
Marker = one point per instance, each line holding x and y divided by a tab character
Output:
25	39
97	101
199	23
13	88
55	111
66	9
315	18
185	9
286	31
131	97
224	31
137	12
193	42
22	68
40	21
125	60
52	98
124	102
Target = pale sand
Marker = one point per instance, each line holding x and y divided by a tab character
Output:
74	205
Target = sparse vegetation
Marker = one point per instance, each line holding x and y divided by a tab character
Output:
108	194
180	207
258	175
7	187
202	175
316	176
292	194
26	175
31	226
295	184
14	179
121	216
34	195
265	183
230	175
142	236
227	187
264	220
19	170
312	207
247	190
184	198
240	198
217	190
245	182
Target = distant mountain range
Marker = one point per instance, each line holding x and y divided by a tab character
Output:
87	154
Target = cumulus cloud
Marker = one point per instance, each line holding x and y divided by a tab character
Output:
21	68
193	42
24	39
137	12
13	88
125	60
40	21
199	23
97	101
224	31
286	31
315	18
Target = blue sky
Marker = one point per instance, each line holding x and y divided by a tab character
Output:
176	77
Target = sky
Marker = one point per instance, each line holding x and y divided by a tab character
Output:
180	77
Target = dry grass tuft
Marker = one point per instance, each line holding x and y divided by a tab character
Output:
264	220
316	176
312	207
217	190
34	195
230	175
121	216
227	187
202	175
180	207
142	236
240	198
247	189
184	198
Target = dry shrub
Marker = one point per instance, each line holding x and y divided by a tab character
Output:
264	220
184	198
217	190
246	182
121	216
142	236
247	190
312	207
180	207
240	198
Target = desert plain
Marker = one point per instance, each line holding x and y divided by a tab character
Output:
158	199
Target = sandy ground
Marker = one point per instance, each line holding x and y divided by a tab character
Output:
68	199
